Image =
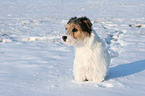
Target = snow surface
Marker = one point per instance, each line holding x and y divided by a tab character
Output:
34	62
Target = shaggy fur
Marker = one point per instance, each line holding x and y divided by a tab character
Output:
91	59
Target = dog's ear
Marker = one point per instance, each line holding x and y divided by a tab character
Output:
87	21
85	24
72	19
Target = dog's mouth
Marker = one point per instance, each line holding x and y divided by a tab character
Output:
68	40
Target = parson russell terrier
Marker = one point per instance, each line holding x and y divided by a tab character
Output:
92	59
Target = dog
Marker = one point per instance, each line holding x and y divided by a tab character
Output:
92	59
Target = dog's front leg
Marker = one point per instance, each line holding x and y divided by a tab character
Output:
79	74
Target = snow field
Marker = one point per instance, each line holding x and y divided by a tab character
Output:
34	62
45	65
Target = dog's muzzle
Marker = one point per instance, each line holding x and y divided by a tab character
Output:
64	38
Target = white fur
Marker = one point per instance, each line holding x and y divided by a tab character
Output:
91	59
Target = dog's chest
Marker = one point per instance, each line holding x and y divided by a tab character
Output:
83	56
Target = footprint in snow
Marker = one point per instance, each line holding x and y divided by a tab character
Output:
114	42
104	85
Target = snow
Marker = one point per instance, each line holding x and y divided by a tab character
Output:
34	61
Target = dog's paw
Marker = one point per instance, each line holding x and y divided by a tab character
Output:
80	78
98	79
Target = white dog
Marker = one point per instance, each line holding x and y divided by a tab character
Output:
92	58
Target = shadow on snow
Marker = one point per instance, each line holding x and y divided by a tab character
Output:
126	69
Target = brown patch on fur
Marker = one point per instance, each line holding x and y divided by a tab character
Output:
79	34
84	22
79	28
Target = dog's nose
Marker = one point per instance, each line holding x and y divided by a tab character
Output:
64	38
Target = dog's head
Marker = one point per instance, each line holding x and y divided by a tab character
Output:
77	29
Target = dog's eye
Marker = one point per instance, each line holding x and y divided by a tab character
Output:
74	30
66	28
